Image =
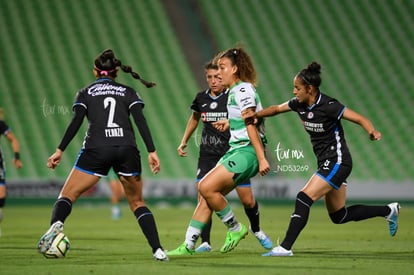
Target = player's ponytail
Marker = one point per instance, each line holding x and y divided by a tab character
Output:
245	68
106	64
135	75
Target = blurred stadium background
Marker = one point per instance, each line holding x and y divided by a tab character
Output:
366	48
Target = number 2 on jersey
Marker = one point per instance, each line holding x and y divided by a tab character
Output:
111	102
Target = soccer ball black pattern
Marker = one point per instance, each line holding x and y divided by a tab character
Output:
60	246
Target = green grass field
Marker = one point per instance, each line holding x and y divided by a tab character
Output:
102	246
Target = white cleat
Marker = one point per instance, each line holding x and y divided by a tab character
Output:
278	251
392	218
204	247
263	239
46	240
160	255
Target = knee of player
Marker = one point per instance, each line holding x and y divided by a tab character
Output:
206	192
201	188
249	202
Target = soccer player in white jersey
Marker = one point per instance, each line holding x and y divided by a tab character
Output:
242	161
210	106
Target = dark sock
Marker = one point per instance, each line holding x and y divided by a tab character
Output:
358	213
298	219
61	210
254	217
2	202
149	228
205	234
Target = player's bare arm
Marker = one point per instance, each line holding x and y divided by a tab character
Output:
363	122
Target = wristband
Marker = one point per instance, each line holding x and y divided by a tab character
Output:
16	155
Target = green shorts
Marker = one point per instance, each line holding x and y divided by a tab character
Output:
242	162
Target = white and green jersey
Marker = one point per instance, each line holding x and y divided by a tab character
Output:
242	96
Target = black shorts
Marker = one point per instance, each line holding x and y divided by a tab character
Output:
125	160
334	173
2	171
205	164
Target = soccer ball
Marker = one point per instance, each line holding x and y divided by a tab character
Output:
60	246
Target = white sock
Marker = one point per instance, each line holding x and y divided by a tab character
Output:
191	236
235	227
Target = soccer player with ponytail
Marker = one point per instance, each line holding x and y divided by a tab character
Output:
244	159
110	142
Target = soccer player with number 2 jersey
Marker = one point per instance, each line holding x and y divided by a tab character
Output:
109	143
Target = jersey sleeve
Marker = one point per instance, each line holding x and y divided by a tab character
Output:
4	128
142	126
335	109
245	97
293	104
195	106
73	126
80	100
134	98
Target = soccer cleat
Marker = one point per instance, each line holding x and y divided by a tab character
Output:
278	251
233	239
116	213
182	250
46	240
263	239
204	247
160	255
392	218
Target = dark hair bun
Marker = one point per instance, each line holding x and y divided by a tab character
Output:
314	67
108	54
106	61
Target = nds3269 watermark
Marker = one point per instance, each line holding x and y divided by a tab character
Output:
283	154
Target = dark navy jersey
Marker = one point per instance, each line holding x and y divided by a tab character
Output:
107	105
4	129
213	142
322	121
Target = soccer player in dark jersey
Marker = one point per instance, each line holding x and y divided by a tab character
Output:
321	117
6	131
109	142
210	106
